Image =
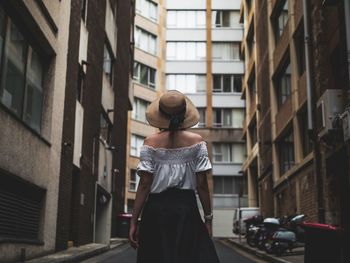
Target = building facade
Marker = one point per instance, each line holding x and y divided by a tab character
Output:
297	115
63	124
33	53
203	61
148	83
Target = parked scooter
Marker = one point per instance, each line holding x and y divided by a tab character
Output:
269	227
287	238
253	225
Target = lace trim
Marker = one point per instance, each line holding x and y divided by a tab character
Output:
174	156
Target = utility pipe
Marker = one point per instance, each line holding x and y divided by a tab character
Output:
308	67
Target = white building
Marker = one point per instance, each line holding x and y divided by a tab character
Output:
203	40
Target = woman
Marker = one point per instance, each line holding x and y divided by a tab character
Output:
173	165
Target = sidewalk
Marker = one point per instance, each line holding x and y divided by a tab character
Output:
297	256
77	254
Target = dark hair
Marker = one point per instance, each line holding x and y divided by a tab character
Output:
176	121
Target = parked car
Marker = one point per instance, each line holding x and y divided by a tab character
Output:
239	215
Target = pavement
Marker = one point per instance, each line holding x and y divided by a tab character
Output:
296	256
77	254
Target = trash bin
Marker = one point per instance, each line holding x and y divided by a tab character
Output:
123	225
323	243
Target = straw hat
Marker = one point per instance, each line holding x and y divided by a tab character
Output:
172	104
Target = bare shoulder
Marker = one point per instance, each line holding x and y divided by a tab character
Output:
152	140
193	137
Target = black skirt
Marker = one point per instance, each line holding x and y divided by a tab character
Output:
172	231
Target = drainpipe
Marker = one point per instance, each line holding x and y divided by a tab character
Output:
310	115
308	67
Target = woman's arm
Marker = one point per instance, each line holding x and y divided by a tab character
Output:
204	197
143	190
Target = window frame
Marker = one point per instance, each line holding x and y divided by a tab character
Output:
286	152
196	19
284	85
137	78
142	33
232	84
221	18
137	138
29	85
135	114
199	47
284	14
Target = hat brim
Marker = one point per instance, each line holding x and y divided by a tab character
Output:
157	119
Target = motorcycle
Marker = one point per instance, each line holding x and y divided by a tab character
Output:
287	238
253	225
269	227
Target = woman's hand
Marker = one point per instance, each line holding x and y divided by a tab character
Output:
209	226
133	236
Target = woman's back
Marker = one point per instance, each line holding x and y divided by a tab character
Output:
174	163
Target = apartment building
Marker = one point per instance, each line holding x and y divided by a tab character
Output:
297	140
203	61
33	51
95	123
62	122
148	83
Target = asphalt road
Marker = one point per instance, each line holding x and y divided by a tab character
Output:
126	254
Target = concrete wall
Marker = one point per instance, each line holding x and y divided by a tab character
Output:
24	153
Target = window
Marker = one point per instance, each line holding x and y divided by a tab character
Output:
253	133
300	50
232	118
139	110
147	9
187	83
145	41
286	152
144	75
229	153
186	19
136	144
284	88
105	128
21	88
108	63
225	18
252	89
186	50
133	181
227	83
83	9
281	21
201	122
229	185
226	51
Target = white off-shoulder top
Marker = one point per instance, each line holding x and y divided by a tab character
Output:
174	167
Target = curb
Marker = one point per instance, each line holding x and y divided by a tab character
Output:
257	253
77	254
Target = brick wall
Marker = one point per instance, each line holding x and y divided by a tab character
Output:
66	169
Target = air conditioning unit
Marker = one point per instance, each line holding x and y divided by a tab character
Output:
329	106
